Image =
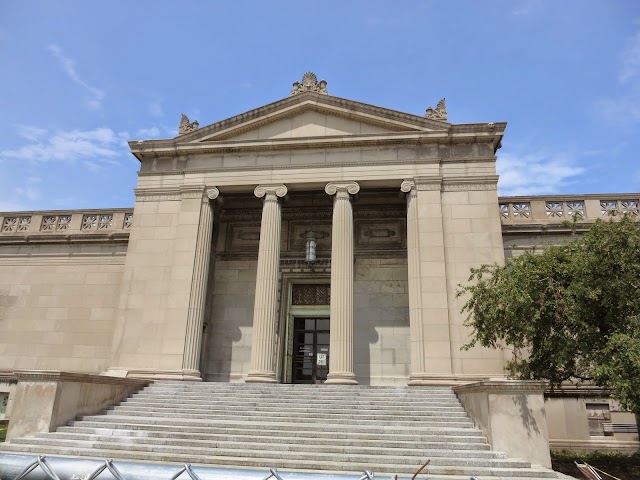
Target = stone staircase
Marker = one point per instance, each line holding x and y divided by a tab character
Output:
298	427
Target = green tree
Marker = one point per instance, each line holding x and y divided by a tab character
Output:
568	312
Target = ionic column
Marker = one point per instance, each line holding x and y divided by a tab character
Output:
265	310
341	320
195	315
413	263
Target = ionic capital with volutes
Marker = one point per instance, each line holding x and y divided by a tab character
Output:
270	192
342	189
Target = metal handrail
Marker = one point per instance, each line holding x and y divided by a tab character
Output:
109	465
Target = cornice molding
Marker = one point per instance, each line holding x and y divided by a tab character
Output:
428	183
117	236
302	101
461	184
326	142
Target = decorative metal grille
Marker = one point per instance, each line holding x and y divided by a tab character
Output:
521	210
128	220
97	222
504	210
630	207
554	209
55	222
16	224
609	208
105	221
311	294
575	208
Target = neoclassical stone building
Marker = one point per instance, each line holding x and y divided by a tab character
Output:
312	239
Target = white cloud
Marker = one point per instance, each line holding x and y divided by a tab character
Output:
624	110
153	132
19	196
67	146
630	61
31	191
535	173
69	66
619	111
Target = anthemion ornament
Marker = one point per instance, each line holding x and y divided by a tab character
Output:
186	126
310	84
439	113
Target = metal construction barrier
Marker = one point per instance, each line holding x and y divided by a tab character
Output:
36	468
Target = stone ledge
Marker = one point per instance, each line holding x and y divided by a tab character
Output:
61	376
502	387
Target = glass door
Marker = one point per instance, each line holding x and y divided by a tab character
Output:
310	350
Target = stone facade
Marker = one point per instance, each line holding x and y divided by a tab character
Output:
195	282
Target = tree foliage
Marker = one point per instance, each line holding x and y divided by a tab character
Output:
568	312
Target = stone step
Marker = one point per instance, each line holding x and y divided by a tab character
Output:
241	386
288	389
306	419
364	395
501	469
429	443
195	446
309	412
192	425
387	457
207	400
442	434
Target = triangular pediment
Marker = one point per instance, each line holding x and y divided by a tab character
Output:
311	115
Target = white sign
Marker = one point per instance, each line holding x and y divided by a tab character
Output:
321	359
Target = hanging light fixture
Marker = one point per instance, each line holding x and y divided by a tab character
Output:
312	241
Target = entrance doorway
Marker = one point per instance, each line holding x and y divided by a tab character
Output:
310	350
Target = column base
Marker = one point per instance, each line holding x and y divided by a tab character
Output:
261	377
341	378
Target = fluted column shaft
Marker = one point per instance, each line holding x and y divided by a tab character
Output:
197	299
416	327
341	320
265	310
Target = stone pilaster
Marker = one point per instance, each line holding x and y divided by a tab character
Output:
428	310
341	320
195	315
413	264
265	311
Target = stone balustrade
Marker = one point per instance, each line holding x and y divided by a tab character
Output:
58	222
557	209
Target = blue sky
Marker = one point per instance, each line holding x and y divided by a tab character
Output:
80	78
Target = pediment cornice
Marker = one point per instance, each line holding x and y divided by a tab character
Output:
401	127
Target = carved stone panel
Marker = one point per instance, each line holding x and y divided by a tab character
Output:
310	294
380	234
299	229
242	237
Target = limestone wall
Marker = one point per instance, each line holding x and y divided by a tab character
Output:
229	322
56	310
381	321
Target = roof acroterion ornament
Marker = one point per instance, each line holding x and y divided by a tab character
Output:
310	84
186	127
439	113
